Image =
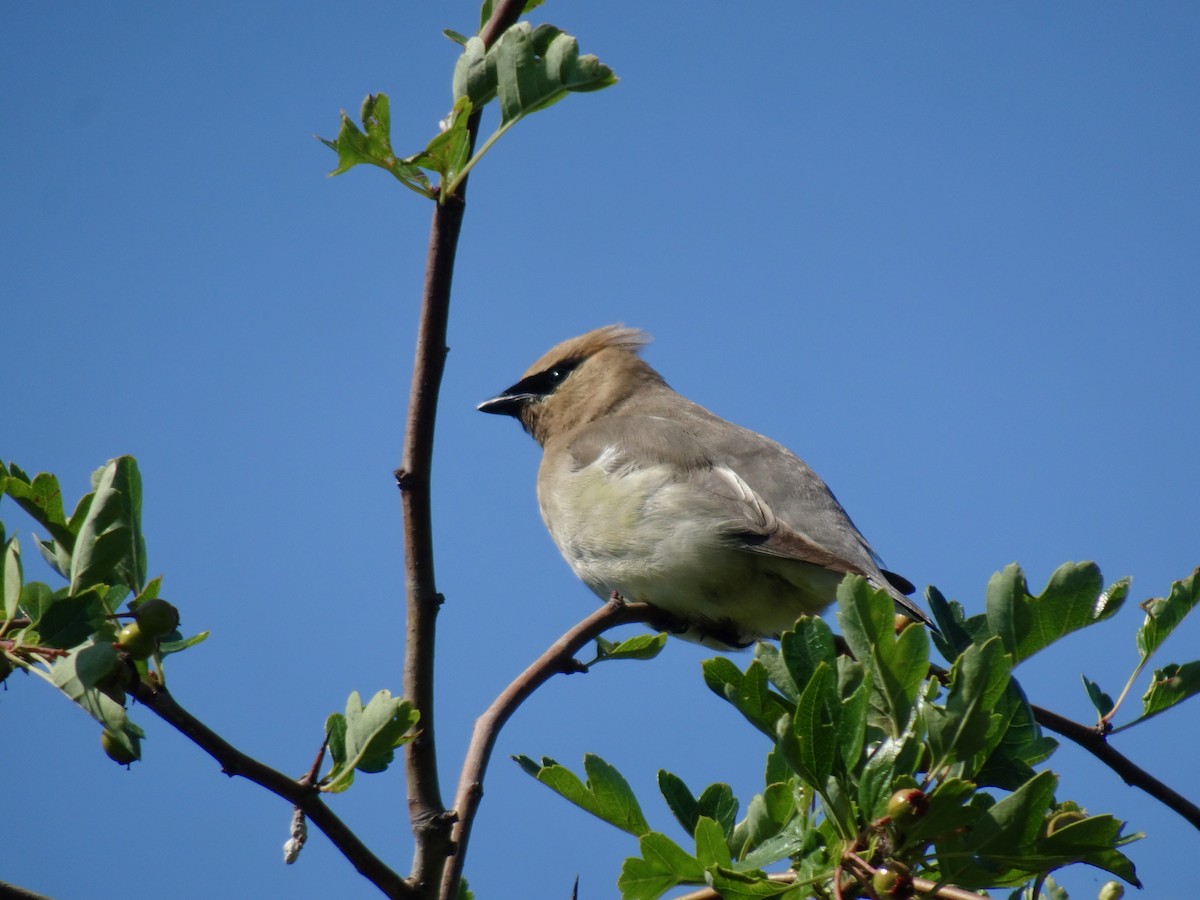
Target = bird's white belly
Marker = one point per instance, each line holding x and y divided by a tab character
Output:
651	536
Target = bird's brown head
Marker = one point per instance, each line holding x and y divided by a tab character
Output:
576	382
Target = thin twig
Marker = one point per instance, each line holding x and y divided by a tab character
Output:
304	797
558	658
1095	743
430	824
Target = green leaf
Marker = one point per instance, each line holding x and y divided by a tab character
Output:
852	733
788	842
711	849
897	665
109	548
947	812
732	884
805	647
68	620
680	800
373	145
958	732
718	804
662	865
810	743
1102	701
475	74
168	646
77	675
1016	820
771	658
640	646
1072	599
11	578
365	739
606	795
749	692
528	70
893	757
766	816
447	153
1164	613
1170	685
55	555
1020	747
1093	840
41	498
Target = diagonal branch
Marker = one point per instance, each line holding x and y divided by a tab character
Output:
558	658
304	797
431	826
1095	743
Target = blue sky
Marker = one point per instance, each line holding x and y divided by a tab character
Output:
946	253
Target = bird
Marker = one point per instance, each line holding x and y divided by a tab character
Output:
726	534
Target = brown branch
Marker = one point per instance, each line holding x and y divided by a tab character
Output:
16	892
304	797
430	824
1095	743
558	658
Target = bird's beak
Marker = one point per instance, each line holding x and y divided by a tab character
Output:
509	403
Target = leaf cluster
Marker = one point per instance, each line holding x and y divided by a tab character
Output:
69	635
526	70
855	738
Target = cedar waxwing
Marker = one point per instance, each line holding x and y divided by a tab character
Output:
653	498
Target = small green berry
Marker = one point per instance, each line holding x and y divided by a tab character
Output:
156	617
1112	890
133	641
907	805
892	879
115	750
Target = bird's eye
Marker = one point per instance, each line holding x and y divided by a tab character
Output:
556	375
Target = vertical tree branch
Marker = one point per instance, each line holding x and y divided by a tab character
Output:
426	812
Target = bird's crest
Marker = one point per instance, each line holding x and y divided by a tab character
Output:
618	337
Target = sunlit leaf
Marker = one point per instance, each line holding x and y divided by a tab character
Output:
11	577
639	647
1163	614
606	794
365	738
662	865
749	692
1073	598
959	730
109	548
1170	685
898	664
372	144
41	497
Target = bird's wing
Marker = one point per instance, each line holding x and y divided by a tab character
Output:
741	514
